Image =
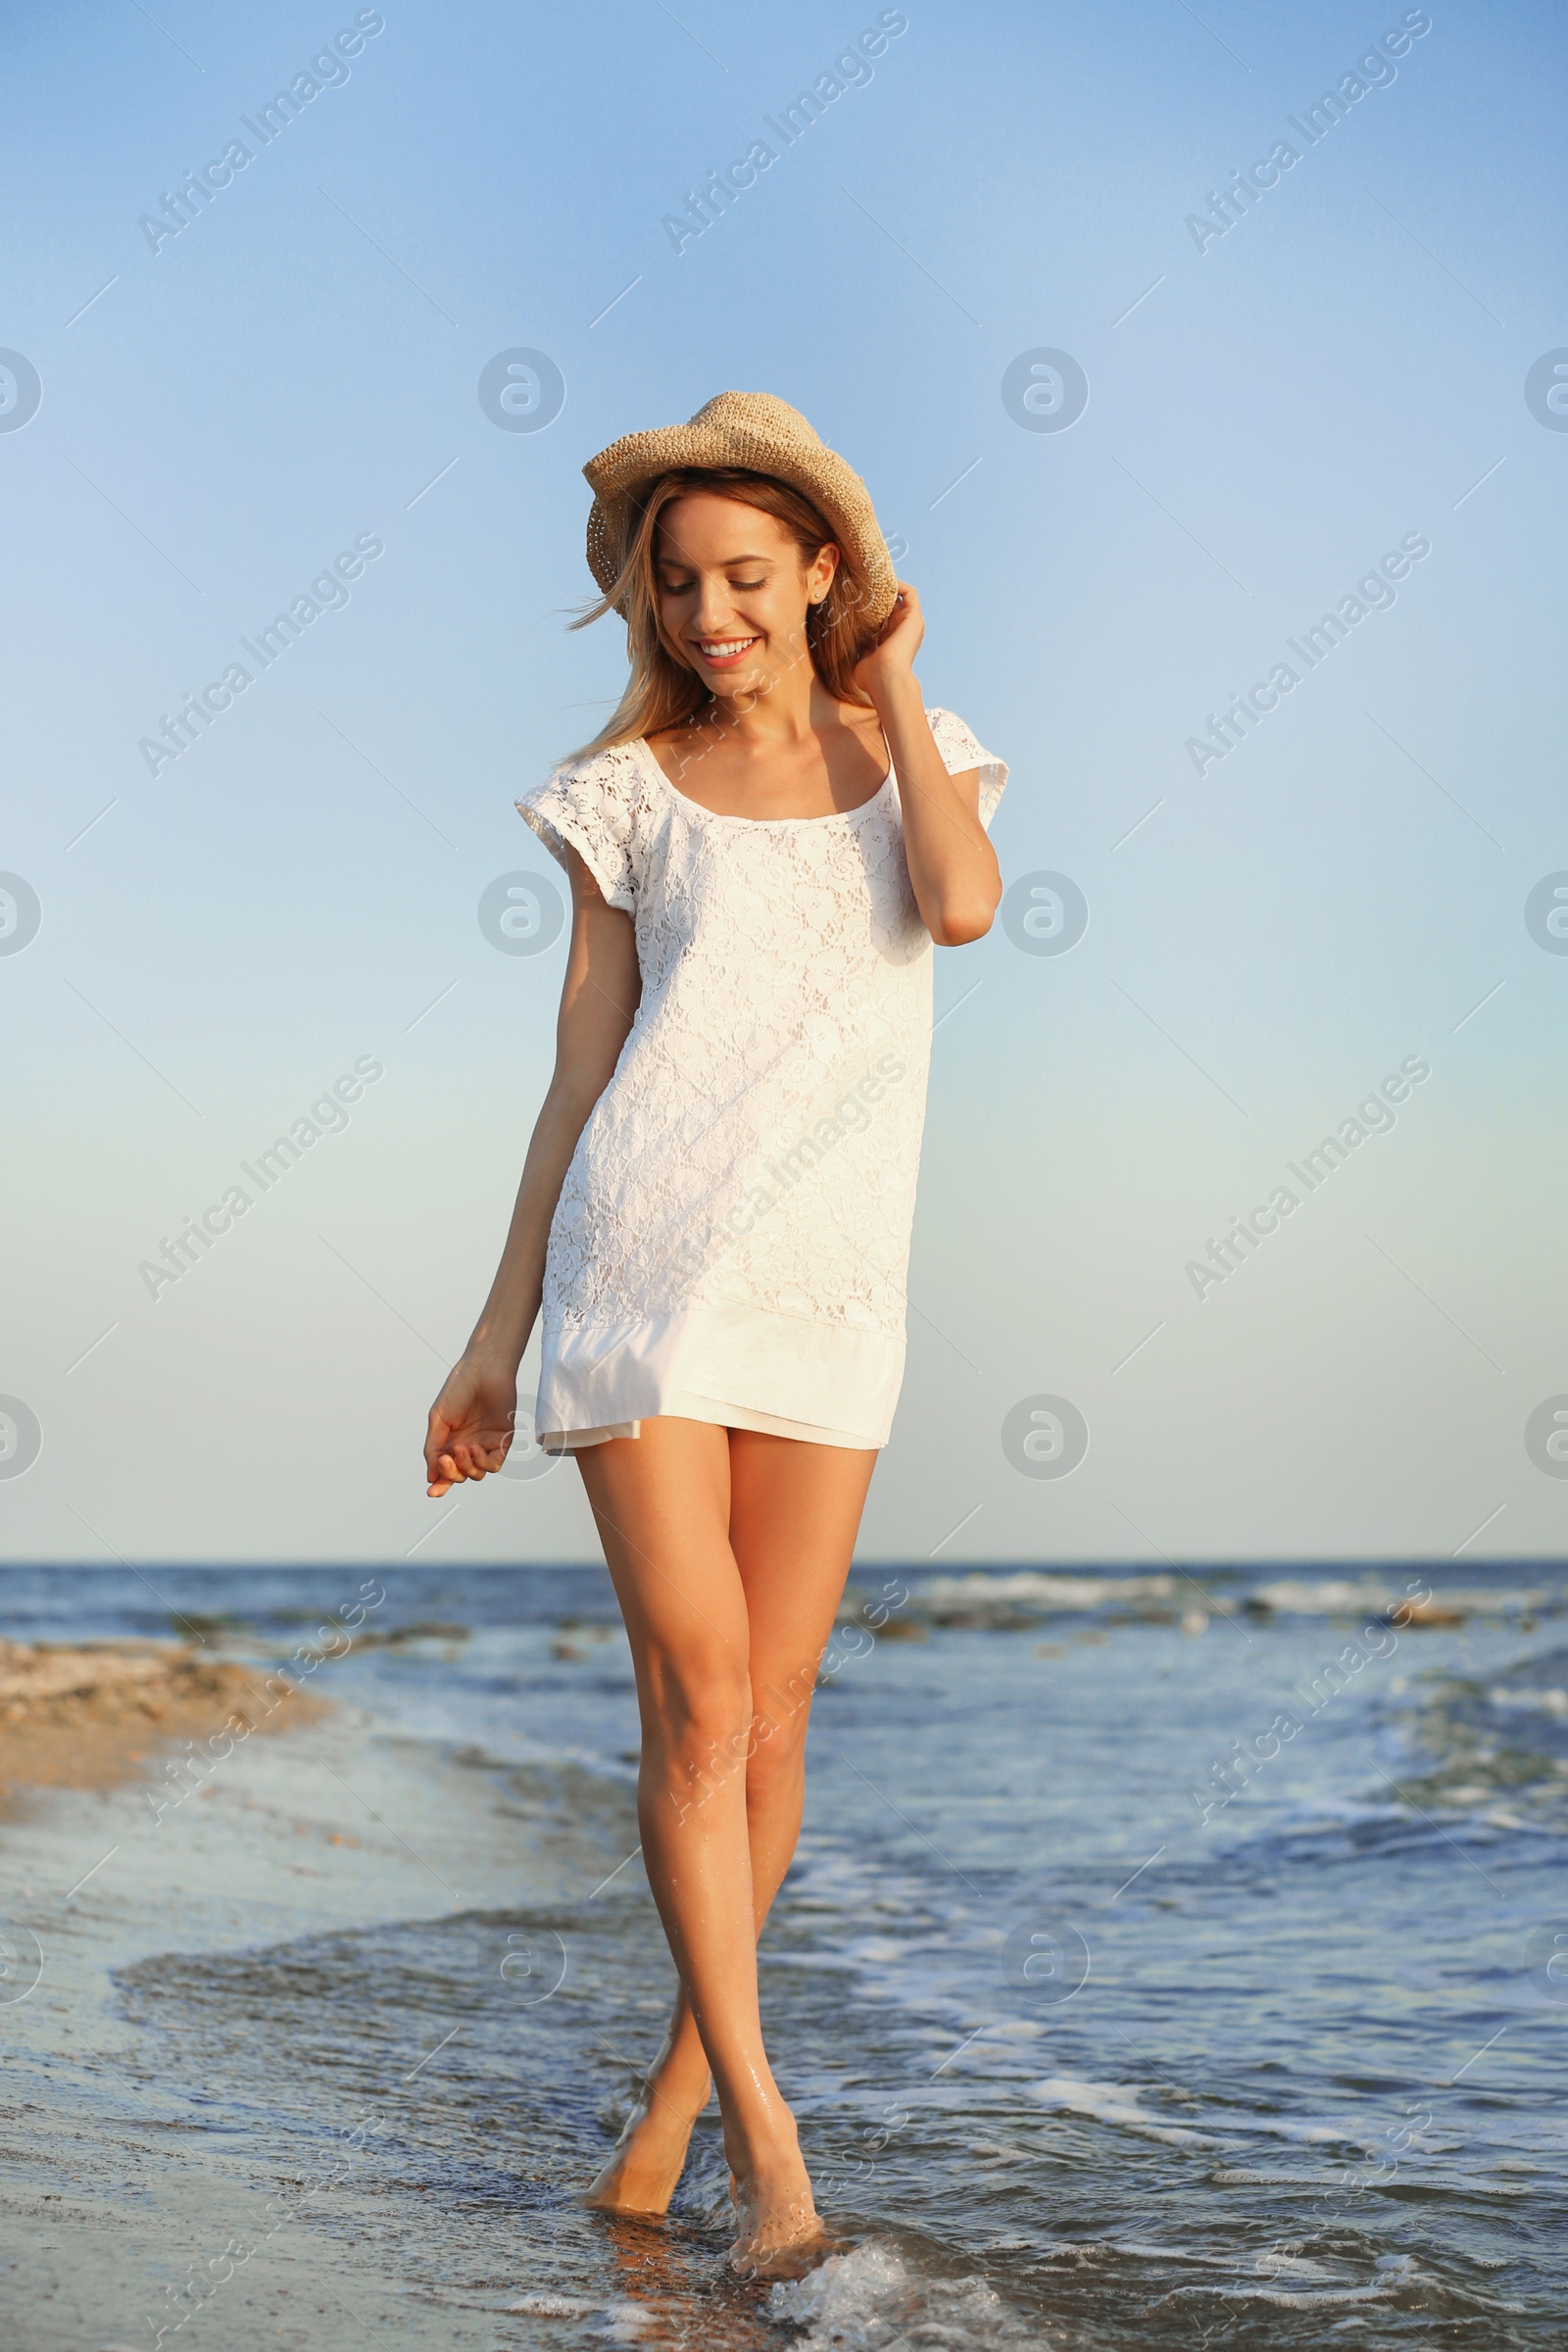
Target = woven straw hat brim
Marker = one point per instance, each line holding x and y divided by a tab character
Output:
760	434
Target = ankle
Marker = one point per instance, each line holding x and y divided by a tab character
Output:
672	2092
759	2159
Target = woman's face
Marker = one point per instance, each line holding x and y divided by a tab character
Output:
733	590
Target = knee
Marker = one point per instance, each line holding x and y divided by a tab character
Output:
776	1755
697	1700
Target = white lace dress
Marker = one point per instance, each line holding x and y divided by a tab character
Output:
732	1236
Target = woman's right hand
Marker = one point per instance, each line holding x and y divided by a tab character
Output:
471	1426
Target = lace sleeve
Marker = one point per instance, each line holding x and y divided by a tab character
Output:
589	805
960	748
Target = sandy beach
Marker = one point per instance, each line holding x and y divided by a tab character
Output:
95	1715
313	2036
151	1846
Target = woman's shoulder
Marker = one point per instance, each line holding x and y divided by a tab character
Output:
613	765
592	803
613	781
960	748
948	729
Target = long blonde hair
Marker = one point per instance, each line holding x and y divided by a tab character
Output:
664	690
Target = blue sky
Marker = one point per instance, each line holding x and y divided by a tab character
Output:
1272	410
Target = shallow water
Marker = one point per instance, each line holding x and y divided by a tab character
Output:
1074	2062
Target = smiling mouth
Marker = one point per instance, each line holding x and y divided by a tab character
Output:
721	653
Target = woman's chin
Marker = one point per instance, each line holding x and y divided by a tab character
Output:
723	677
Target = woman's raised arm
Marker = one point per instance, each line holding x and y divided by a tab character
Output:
952	867
470	1422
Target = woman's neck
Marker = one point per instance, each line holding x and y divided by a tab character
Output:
792	706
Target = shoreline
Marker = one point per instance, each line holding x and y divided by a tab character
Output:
97	1714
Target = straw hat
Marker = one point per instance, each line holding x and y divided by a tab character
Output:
764	435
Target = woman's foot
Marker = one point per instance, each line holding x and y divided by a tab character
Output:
776	2217
648	2159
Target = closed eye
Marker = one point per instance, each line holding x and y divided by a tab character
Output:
682	586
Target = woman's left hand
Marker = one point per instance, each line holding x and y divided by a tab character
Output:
891	659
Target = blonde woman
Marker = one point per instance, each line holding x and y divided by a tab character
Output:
714	1212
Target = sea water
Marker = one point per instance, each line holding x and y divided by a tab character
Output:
1168	1960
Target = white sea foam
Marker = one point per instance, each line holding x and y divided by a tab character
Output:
1301	2299
1338	1597
1120	2103
618	2323
978	1594
1114	2103
1539	1702
869	2301
1468	2184
982	1594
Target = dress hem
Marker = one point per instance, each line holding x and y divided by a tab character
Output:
709	1409
724	1363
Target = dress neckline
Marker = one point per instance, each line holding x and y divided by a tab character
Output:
831	816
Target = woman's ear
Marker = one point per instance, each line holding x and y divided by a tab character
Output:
820	573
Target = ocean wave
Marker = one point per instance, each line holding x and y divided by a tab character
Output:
1121	2104
871	2300
1029	1591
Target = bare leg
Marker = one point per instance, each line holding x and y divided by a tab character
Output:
727	1550
794	1513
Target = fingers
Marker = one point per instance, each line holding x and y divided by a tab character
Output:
446	1472
451	1459
437	1430
452	1466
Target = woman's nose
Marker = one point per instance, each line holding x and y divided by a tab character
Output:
715	608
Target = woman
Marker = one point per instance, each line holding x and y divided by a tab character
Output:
715	1210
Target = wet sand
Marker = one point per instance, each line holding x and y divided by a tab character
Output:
322	2039
96	1715
135	2188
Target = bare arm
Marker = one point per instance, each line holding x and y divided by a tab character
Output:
470	1422
958	882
